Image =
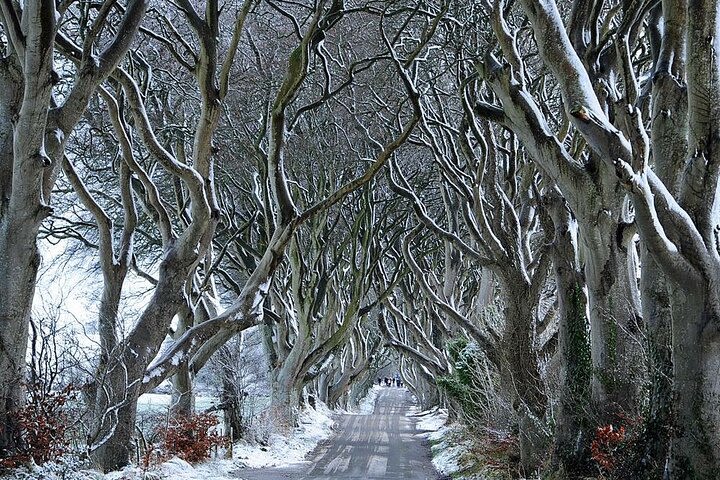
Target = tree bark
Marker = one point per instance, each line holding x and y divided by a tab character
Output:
574	425
18	278
521	375
183	398
615	321
23	205
285	399
694	447
19	261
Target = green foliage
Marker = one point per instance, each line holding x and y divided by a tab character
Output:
462	384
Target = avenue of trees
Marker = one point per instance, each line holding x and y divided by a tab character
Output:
515	202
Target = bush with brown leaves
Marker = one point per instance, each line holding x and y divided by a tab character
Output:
189	437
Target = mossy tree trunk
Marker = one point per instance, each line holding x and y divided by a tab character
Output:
574	422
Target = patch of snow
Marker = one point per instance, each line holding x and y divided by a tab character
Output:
314	425
177	358
446	456
155	372
160	402
127	473
64	469
431	424
178	469
366	406
430	421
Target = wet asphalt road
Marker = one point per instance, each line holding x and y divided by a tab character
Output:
378	446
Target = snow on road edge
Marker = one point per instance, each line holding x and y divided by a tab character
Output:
446	453
314	426
458	454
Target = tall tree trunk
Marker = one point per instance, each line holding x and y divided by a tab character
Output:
285	399
323	387
615	321
338	389
668	137
521	373
108	315
286	385
183	398
19	261
119	386
694	447
22	206
657	312
18	290
232	400
573	423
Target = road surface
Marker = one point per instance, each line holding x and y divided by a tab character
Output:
369	447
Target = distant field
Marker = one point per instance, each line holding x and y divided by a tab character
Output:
153	408
150	403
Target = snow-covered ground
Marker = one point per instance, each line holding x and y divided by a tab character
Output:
314	426
431	424
177	469
160	402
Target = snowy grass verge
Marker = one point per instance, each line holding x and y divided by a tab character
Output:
314	425
173	469
429	422
177	469
461	455
431	425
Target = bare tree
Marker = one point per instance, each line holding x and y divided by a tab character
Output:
35	133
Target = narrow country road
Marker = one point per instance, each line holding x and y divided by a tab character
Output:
378	446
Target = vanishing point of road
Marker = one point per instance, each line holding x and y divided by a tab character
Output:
383	445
